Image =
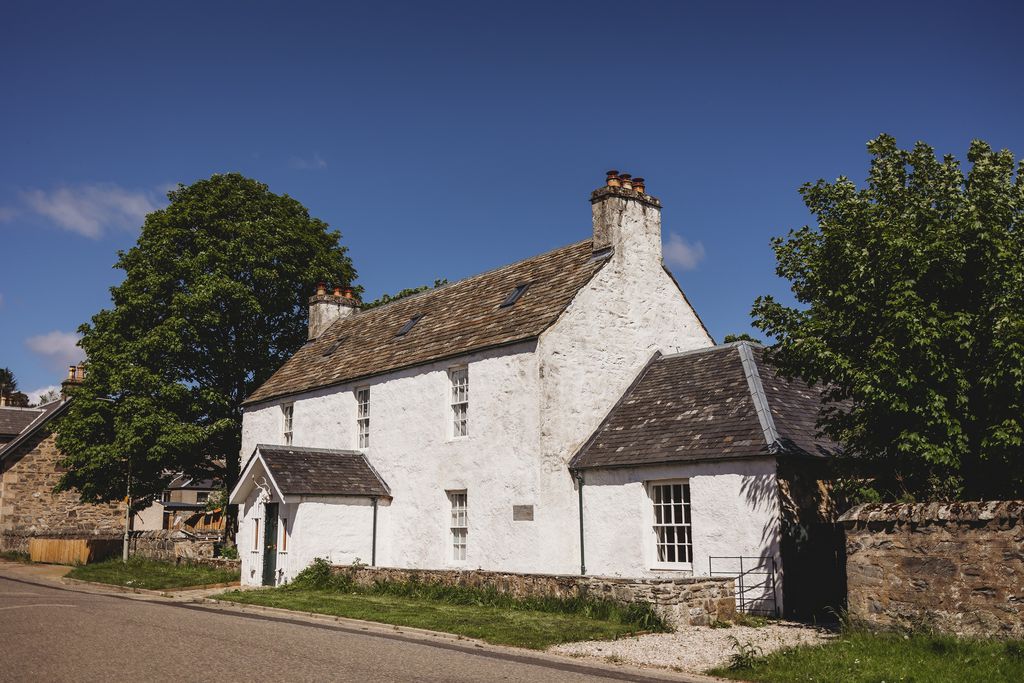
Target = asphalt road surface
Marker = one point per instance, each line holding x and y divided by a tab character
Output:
66	633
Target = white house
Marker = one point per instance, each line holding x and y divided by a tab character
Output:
468	426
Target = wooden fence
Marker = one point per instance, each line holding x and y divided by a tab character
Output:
72	550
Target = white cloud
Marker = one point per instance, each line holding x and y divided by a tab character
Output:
685	255
89	210
58	348
315	163
33	396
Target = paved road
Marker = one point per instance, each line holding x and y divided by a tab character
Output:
67	633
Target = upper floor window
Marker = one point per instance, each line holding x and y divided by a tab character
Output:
460	524
202	496
287	411
460	401
673	535
363	417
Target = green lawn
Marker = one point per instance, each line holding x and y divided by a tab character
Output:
860	657
151	574
500	625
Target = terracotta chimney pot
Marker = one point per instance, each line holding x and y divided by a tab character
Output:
321	288
638	185
613	179
627	182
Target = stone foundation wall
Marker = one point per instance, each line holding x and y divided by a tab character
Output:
956	567
683	601
29	507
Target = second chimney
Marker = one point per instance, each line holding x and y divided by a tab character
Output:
627	219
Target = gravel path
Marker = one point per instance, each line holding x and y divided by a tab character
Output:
695	648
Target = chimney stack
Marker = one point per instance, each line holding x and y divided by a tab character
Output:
627	220
325	308
76	375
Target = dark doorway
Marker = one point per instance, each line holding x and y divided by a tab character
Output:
270	545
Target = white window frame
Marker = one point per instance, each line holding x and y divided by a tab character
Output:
287	423
362	395
282	544
458	379
459	526
670	535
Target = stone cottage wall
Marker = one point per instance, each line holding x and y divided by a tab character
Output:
682	601
29	507
956	568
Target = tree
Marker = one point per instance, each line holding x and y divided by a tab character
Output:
388	298
742	336
8	383
48	396
912	317
214	299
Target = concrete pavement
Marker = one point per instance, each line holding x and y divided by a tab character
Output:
55	632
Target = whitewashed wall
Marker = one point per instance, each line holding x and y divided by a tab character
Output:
412	449
630	309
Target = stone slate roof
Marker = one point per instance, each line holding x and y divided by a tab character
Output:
40	417
322	472
717	403
14	420
458	318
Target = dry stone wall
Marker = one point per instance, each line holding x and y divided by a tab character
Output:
30	508
955	567
682	601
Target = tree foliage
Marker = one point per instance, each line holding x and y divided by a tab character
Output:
742	336
388	298
912	316
214	299
8	382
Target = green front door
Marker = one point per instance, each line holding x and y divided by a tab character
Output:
270	545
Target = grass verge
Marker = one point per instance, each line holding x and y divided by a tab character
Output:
475	613
864	657
14	556
144	573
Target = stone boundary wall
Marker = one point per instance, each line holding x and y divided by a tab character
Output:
953	567
682	601
173	546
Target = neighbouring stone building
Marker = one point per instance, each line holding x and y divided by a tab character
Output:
568	413
951	567
29	471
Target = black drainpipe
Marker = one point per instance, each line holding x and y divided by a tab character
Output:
373	547
583	556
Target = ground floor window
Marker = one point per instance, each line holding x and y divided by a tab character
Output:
673	535
460	524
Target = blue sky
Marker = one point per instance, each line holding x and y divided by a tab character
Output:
444	139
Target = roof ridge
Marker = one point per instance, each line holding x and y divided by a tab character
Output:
448	285
708	349
758	395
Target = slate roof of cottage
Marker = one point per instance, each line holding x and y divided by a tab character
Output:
321	471
458	318
40	417
705	405
14	420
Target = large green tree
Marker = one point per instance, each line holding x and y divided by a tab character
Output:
911	314
214	299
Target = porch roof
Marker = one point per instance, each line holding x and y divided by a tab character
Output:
298	471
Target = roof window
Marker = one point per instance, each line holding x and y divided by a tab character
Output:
334	346
514	295
408	326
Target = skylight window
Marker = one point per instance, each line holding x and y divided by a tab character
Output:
408	326
514	295
334	346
